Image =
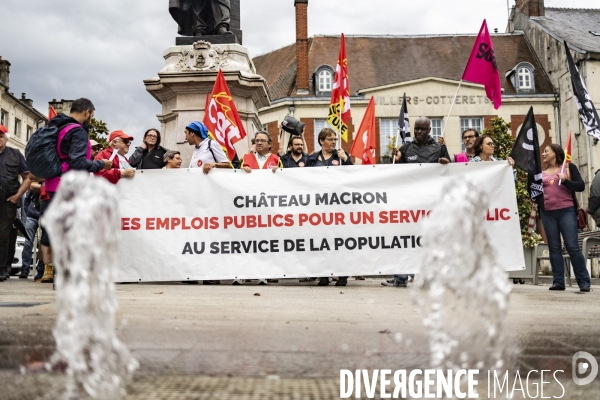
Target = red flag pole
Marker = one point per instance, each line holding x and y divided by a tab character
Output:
340	124
451	106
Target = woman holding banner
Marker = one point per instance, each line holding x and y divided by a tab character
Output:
329	156
559	216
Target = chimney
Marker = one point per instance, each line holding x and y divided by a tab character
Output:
4	72
301	46
531	8
25	100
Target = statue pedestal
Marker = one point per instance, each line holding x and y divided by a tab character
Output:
234	37
188	77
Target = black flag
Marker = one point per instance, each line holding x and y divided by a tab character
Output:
403	124
526	153
587	111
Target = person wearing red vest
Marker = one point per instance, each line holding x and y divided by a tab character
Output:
262	158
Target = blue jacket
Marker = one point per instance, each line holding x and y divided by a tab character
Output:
75	145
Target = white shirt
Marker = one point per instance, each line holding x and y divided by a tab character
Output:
123	163
261	159
202	154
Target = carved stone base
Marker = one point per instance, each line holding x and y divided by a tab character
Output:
188	76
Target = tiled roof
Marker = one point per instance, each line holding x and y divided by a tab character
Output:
574	26
375	61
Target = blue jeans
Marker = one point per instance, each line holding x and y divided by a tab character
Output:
564	222
402	278
31	226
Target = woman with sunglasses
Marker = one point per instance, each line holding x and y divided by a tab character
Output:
484	150
118	146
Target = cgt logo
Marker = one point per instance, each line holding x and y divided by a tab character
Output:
584	363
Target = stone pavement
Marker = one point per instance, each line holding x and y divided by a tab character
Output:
282	341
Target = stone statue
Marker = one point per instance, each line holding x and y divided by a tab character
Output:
201	17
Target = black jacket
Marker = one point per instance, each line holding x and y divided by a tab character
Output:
311	161
143	159
75	145
288	161
594	199
431	152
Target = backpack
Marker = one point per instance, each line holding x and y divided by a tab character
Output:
41	153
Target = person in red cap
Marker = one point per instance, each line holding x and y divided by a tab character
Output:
12	165
118	146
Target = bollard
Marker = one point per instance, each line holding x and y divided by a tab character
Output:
83	226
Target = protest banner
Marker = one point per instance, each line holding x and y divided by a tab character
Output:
354	220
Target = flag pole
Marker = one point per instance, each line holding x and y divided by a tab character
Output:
451	106
562	171
396	145
340	123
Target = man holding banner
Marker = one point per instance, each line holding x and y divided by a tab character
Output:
208	154
423	149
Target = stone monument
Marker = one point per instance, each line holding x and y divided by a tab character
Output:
188	77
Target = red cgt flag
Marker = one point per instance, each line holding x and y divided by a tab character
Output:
51	113
222	119
482	67
568	150
340	95
365	142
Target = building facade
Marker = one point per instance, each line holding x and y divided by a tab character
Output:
546	29
427	68
17	114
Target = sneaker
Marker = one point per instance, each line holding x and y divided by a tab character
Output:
23	276
48	273
238	282
342	281
323	282
394	283
262	282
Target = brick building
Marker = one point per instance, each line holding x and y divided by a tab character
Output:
427	68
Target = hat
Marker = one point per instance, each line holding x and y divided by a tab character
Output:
3	129
119	134
94	143
198	128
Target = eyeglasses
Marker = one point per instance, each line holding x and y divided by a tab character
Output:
469	137
260	141
491	144
331	139
152	136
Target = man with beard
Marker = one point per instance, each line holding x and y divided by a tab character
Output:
295	157
201	17
75	151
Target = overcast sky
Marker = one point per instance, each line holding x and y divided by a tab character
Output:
103	50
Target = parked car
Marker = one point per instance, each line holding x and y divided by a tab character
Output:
18	260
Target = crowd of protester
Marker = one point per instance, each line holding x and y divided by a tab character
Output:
79	153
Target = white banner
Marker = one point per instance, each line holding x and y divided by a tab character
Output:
300	222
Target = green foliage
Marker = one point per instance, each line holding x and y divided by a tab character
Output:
500	133
99	132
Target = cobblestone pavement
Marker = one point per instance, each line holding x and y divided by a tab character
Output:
226	342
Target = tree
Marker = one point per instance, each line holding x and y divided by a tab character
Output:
99	132
504	141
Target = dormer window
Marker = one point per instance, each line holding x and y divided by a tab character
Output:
323	80
522	78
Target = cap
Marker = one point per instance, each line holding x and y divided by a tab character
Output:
119	134
94	143
198	128
3	129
